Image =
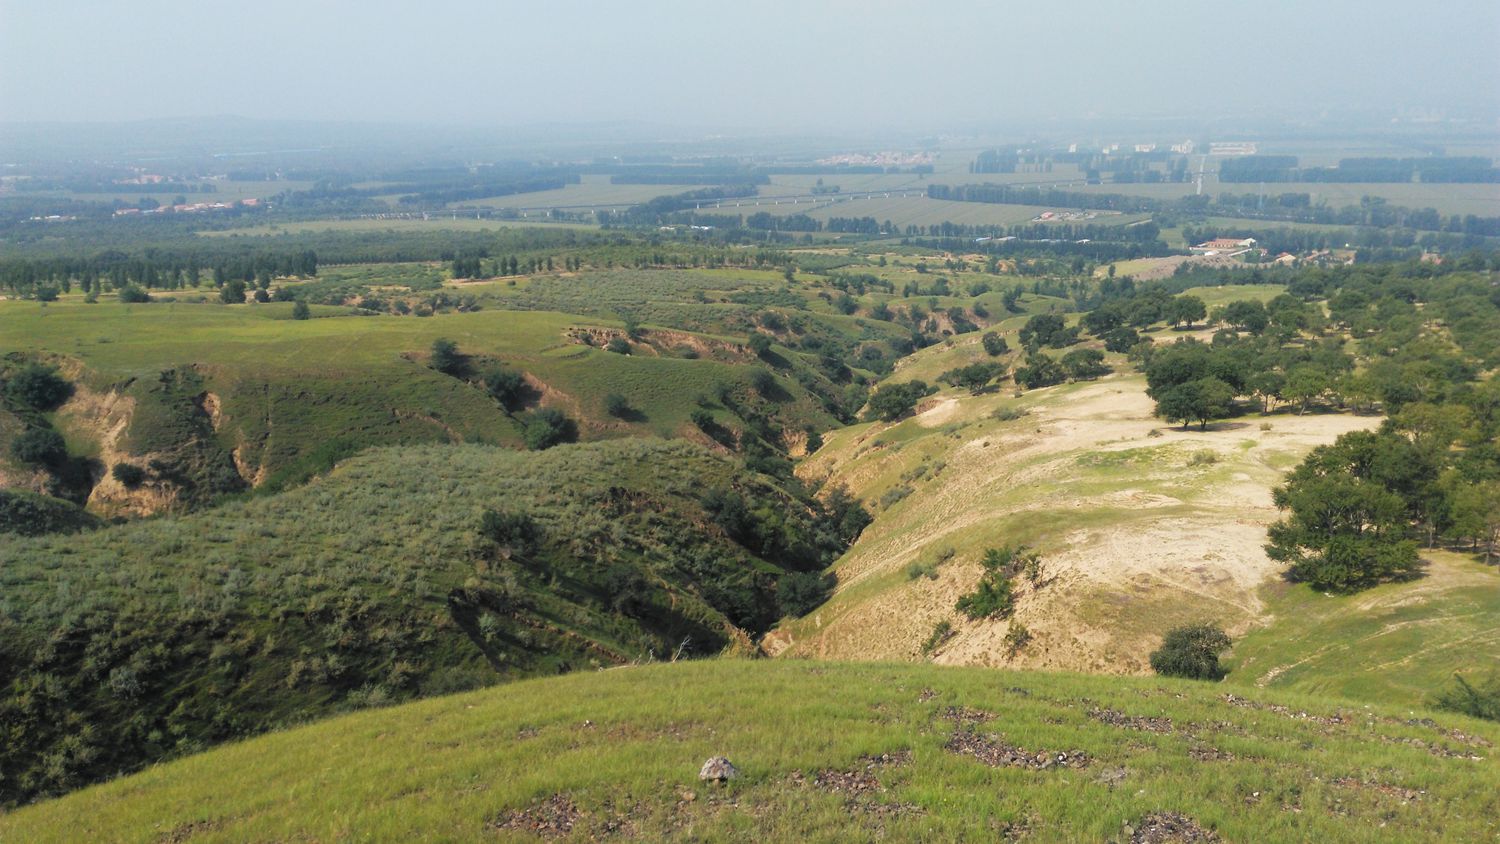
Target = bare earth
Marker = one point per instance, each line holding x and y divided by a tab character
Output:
1134	538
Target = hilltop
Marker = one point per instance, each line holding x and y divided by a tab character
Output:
826	752
405	572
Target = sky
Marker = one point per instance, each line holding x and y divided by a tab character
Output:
771	65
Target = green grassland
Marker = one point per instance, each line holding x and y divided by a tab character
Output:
826	752
294	395
1393	642
376	583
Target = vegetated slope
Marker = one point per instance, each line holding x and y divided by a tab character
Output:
216	399
382	581
825	752
1394	642
1140	526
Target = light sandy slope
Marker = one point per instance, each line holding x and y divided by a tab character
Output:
1134	538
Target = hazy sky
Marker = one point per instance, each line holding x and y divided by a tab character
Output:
841	63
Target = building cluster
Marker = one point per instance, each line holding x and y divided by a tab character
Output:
190	208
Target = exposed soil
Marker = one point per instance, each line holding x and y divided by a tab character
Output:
1167	535
553	817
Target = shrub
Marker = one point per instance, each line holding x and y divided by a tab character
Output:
128	474
763	382
994	344
992	598
1203	457
1481	701
516	531
703	419
508	388
618	345
617	406
1008	413
132	294
1192	652
39	447
546	428
759	344
1016	637
38	387
941	633
894	401
446	358
799	593
300	310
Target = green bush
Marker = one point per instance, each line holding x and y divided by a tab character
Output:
507	387
38	387
546	428
128	474
994	344
617	406
1481	701
446	358
618	345
1192	652
300	310
941	633
39	447
801	592
133	294
515	531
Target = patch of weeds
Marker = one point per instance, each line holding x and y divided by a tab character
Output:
1203	457
893	496
928	566
941	633
1008	413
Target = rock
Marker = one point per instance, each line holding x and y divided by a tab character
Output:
718	769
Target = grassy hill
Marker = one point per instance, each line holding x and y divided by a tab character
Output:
227	398
826	752
1140	526
384	580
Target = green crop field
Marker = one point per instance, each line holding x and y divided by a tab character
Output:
437	222
825	752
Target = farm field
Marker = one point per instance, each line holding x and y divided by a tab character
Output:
824	751
438	222
593	190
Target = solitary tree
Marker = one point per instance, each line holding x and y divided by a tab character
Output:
446	357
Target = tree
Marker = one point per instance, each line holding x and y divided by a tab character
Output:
446	358
1305	384
1247	315
39	447
994	344
1191	652
975	377
1041	330
1121	340
1476	701
1084	364
300	310
1040	371
894	401
1196	401
1186	309
1348	523
233	292
38	387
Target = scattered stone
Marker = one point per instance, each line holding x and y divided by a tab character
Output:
550	818
1405	795
1111	777
1209	753
997	754
718	769
1115	718
926	695
860	782
964	716
1169	828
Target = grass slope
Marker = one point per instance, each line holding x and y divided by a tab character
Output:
290	397
150	639
617	754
